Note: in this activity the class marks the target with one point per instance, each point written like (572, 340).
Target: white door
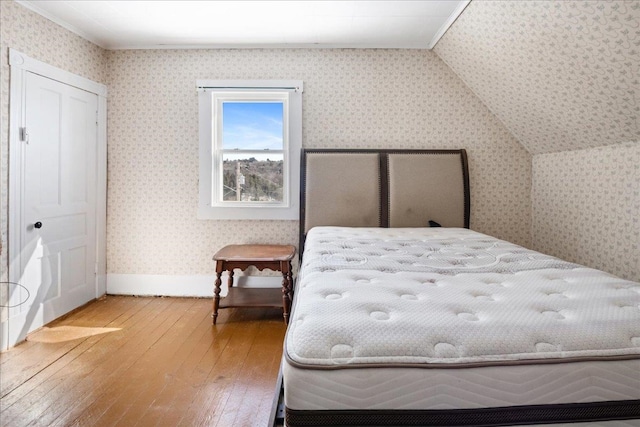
(58, 233)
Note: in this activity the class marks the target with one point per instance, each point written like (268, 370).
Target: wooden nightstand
(273, 257)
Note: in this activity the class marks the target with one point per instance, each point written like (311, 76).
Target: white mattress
(441, 318)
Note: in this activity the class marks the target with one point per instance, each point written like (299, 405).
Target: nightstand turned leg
(230, 279)
(290, 279)
(286, 289)
(216, 292)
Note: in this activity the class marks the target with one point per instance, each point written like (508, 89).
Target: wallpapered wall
(563, 76)
(352, 99)
(41, 39)
(586, 207)
(380, 98)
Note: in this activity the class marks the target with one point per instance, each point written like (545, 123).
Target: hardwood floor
(166, 365)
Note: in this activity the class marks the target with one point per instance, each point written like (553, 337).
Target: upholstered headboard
(383, 188)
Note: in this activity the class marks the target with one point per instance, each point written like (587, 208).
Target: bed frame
(383, 188)
(409, 188)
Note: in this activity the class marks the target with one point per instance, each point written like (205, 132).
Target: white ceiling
(236, 24)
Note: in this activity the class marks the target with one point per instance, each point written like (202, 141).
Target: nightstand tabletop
(255, 253)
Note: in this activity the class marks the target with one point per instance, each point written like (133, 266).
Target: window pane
(252, 178)
(252, 125)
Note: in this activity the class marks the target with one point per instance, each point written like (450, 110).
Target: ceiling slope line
(448, 23)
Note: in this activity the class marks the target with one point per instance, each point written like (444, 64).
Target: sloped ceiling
(561, 75)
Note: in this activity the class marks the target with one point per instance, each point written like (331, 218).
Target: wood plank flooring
(166, 365)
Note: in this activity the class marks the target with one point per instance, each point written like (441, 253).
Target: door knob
(37, 225)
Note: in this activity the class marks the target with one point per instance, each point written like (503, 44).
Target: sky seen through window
(252, 126)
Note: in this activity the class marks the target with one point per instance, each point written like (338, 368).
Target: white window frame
(211, 93)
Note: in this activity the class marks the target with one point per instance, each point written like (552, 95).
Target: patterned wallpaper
(586, 207)
(561, 75)
(43, 40)
(563, 78)
(352, 99)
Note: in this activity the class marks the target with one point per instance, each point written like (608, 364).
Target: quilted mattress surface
(442, 297)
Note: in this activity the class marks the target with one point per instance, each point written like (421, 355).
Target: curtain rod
(213, 84)
(295, 89)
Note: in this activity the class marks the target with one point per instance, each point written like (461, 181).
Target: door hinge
(24, 136)
(96, 269)
(97, 117)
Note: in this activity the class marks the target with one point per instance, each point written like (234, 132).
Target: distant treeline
(262, 180)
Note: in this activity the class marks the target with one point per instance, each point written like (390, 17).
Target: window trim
(209, 206)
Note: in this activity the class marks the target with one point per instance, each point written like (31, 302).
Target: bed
(404, 316)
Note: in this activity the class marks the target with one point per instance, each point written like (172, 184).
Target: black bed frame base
(482, 417)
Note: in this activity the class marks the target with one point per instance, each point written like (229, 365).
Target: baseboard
(180, 286)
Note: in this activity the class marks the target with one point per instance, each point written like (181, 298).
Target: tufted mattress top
(451, 297)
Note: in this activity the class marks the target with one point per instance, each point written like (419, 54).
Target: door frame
(20, 64)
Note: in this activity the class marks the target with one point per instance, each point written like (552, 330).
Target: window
(250, 140)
